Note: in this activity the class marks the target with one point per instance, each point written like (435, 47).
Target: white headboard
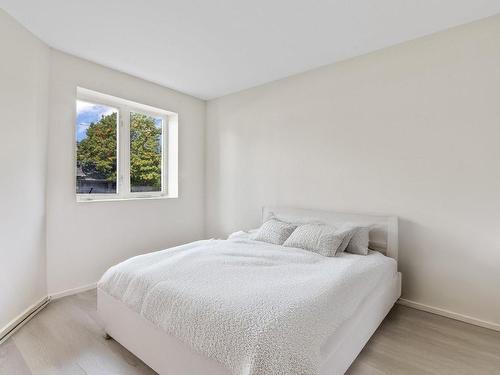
(383, 233)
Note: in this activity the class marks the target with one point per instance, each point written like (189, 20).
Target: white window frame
(169, 159)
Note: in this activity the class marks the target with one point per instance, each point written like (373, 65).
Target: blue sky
(86, 113)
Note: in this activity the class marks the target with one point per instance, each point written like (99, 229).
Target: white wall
(84, 239)
(24, 70)
(412, 130)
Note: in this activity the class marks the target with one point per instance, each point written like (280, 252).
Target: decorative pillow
(320, 238)
(351, 231)
(274, 231)
(359, 241)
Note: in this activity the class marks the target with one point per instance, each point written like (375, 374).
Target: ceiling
(209, 48)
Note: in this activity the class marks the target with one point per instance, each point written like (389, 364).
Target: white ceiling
(209, 48)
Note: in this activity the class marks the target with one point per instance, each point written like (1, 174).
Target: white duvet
(254, 307)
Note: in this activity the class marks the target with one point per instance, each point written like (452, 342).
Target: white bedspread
(256, 308)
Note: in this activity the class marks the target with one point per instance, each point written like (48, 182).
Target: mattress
(353, 334)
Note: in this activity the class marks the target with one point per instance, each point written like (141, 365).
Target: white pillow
(320, 238)
(351, 231)
(274, 231)
(243, 234)
(359, 241)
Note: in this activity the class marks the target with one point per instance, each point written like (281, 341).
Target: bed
(209, 324)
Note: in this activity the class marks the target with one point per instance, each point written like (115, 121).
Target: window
(124, 150)
(96, 148)
(145, 152)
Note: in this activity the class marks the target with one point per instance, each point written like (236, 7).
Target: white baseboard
(31, 311)
(449, 314)
(70, 292)
(401, 301)
(22, 319)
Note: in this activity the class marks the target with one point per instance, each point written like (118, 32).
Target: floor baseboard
(22, 319)
(31, 311)
(449, 314)
(70, 292)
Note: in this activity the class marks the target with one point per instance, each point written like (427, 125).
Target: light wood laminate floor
(66, 338)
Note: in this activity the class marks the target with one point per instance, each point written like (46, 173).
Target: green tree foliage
(96, 154)
(145, 151)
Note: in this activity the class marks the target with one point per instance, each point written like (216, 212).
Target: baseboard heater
(22, 319)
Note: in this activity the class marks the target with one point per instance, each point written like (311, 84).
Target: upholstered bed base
(167, 355)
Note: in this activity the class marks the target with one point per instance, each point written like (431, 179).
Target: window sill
(120, 199)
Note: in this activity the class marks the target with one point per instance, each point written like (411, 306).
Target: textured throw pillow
(319, 238)
(359, 241)
(351, 230)
(274, 231)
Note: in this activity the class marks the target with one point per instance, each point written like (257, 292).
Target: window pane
(96, 150)
(145, 152)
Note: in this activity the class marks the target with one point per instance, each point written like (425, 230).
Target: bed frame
(168, 355)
